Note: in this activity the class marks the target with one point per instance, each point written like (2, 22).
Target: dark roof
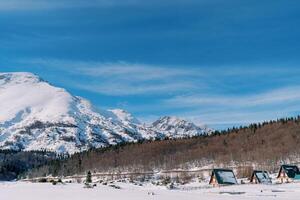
(224, 176)
(261, 176)
(290, 170)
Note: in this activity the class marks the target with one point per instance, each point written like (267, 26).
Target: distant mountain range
(35, 115)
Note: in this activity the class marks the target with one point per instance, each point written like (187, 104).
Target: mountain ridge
(36, 115)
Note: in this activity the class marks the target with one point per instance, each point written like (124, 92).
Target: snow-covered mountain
(35, 115)
(173, 126)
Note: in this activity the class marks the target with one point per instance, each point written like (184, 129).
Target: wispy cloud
(21, 5)
(185, 83)
(225, 110)
(120, 89)
(123, 78)
(226, 117)
(182, 83)
(138, 72)
(32, 5)
(277, 96)
(229, 119)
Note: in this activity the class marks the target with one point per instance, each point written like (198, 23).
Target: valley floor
(74, 191)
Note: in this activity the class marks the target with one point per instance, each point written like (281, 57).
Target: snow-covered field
(74, 191)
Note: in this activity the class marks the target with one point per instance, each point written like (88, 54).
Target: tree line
(15, 163)
(263, 144)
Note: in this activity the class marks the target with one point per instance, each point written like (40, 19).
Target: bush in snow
(171, 186)
(166, 180)
(115, 186)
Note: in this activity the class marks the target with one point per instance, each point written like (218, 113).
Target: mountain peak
(174, 126)
(125, 116)
(172, 119)
(18, 78)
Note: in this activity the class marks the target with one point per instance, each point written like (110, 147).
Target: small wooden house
(288, 173)
(222, 177)
(260, 177)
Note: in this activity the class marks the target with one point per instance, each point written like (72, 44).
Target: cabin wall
(283, 178)
(213, 181)
(254, 180)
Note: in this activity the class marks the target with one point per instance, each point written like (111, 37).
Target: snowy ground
(74, 191)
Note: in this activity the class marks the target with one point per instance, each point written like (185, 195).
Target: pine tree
(88, 177)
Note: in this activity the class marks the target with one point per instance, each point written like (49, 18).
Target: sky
(215, 62)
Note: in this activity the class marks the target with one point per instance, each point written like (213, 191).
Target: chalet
(288, 173)
(260, 177)
(222, 177)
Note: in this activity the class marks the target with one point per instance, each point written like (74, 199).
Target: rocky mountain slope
(173, 126)
(35, 115)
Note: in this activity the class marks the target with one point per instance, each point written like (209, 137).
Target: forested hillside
(265, 145)
(15, 163)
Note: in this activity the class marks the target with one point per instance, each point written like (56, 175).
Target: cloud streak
(19, 5)
(277, 96)
(138, 72)
(34, 5)
(122, 78)
(225, 110)
(115, 89)
(230, 118)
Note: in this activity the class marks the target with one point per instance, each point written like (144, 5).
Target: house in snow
(222, 177)
(260, 177)
(288, 173)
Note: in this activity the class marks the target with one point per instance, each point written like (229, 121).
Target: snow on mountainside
(35, 115)
(171, 126)
(125, 117)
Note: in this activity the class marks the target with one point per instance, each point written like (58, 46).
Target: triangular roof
(223, 176)
(292, 171)
(261, 176)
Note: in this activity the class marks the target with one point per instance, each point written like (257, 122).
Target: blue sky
(217, 62)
